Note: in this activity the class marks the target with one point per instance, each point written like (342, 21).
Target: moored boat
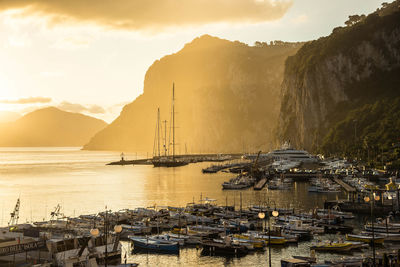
(155, 245)
(332, 246)
(211, 247)
(365, 238)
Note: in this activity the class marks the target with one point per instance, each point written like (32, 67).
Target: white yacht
(288, 153)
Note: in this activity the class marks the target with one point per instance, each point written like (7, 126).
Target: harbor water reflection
(82, 183)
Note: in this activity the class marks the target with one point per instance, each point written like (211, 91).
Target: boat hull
(365, 239)
(169, 164)
(139, 245)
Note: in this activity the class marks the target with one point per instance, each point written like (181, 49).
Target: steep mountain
(227, 99)
(50, 127)
(333, 86)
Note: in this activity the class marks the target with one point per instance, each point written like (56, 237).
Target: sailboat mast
(173, 120)
(165, 138)
(158, 131)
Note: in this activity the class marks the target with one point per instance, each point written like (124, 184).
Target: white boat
(289, 153)
(188, 239)
(168, 237)
(78, 249)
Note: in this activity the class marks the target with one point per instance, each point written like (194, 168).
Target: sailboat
(167, 161)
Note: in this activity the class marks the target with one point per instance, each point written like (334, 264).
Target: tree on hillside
(353, 19)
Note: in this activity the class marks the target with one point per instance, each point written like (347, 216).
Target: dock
(193, 158)
(132, 162)
(346, 187)
(260, 185)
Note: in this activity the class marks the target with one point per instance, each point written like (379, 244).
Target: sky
(91, 56)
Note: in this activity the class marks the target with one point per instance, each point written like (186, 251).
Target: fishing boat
(332, 246)
(223, 247)
(188, 239)
(294, 263)
(78, 248)
(275, 240)
(249, 243)
(167, 237)
(365, 238)
(242, 181)
(154, 245)
(387, 236)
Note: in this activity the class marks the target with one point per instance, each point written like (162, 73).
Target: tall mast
(173, 120)
(165, 137)
(158, 131)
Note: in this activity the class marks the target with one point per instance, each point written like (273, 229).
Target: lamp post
(275, 213)
(372, 200)
(94, 232)
(106, 235)
(118, 230)
(261, 215)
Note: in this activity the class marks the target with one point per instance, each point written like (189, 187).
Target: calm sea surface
(82, 184)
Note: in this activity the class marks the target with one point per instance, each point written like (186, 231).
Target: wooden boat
(388, 236)
(275, 240)
(334, 228)
(332, 246)
(188, 239)
(294, 263)
(150, 244)
(210, 247)
(365, 238)
(167, 237)
(257, 244)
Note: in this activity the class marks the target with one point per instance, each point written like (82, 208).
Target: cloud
(147, 14)
(78, 108)
(29, 100)
(51, 74)
(300, 19)
(73, 42)
(19, 41)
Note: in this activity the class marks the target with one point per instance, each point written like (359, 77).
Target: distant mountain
(227, 99)
(341, 93)
(50, 127)
(7, 116)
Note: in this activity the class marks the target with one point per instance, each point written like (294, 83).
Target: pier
(346, 187)
(260, 185)
(194, 158)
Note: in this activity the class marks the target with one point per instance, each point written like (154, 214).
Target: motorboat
(154, 245)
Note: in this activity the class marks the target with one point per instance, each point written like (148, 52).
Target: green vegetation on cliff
(346, 84)
(371, 133)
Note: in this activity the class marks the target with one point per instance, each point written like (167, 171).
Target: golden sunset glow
(77, 52)
(199, 133)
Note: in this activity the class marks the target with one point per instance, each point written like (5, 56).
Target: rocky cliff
(227, 99)
(329, 78)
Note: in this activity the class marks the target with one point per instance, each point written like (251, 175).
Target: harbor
(199, 222)
(200, 133)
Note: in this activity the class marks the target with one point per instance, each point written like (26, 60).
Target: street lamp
(94, 232)
(374, 197)
(275, 213)
(261, 215)
(118, 229)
